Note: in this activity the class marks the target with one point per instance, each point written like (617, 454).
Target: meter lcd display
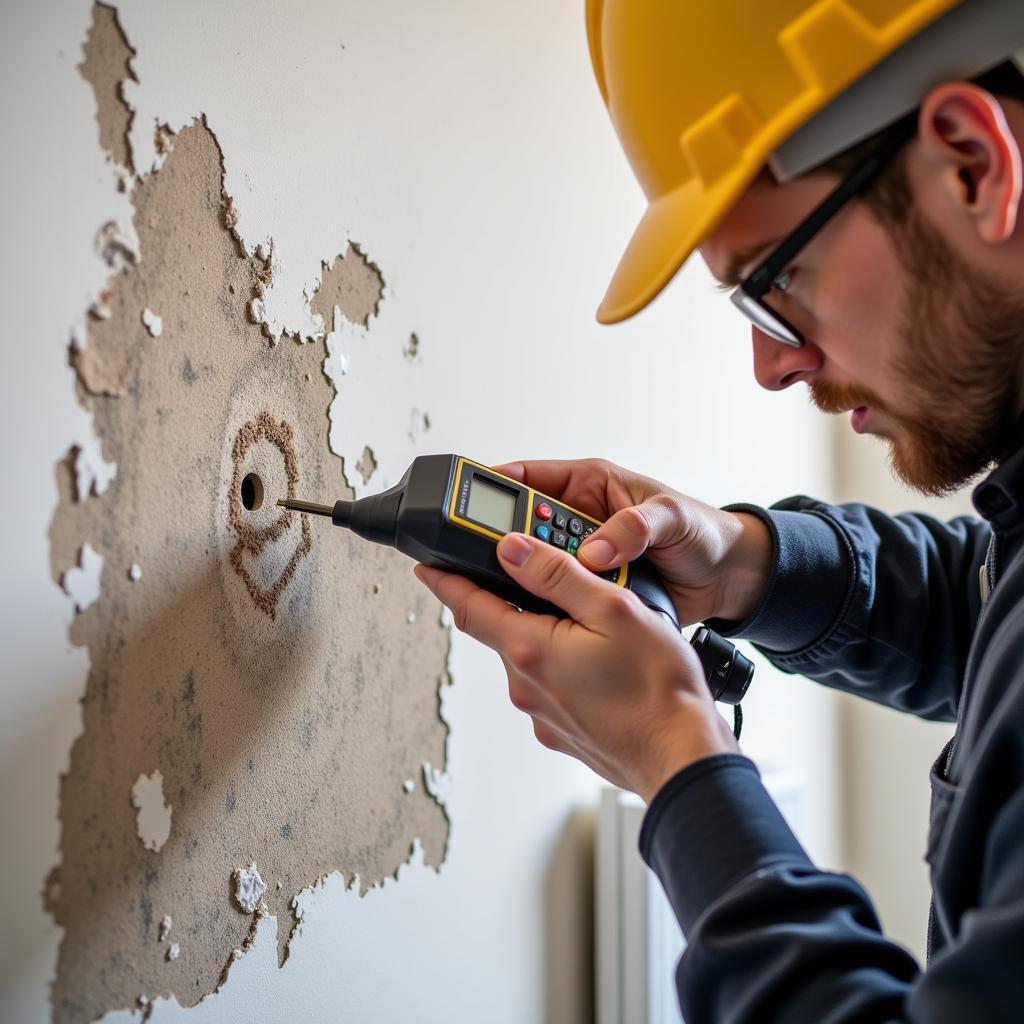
(491, 505)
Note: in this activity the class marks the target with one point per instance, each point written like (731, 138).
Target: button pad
(565, 529)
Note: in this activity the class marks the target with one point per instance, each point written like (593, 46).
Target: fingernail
(598, 552)
(514, 548)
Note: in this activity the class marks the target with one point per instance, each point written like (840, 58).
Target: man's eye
(783, 281)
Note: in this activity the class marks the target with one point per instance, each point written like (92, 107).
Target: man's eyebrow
(739, 261)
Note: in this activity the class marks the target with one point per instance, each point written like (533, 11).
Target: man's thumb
(551, 574)
(627, 535)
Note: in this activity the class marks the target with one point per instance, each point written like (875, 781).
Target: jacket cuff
(711, 826)
(810, 585)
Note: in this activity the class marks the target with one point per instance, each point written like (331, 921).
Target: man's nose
(777, 365)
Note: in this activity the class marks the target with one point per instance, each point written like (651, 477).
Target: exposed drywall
(283, 708)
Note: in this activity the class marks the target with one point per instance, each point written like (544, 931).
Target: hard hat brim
(672, 227)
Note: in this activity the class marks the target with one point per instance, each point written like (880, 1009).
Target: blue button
(542, 531)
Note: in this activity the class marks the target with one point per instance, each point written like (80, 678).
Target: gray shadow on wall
(569, 923)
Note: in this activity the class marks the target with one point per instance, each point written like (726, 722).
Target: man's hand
(714, 563)
(614, 685)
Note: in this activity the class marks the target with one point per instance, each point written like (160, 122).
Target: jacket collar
(999, 498)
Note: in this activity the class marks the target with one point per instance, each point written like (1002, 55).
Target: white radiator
(638, 941)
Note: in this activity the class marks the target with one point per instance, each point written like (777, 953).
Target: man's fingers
(631, 531)
(557, 577)
(476, 611)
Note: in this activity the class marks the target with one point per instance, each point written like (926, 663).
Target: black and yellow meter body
(450, 512)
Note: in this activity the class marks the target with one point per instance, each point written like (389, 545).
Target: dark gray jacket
(923, 616)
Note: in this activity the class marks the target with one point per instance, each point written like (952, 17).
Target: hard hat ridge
(704, 96)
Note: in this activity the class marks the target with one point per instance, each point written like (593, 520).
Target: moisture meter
(450, 512)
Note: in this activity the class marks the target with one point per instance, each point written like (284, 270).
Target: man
(888, 276)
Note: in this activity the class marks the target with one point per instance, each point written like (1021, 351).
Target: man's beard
(962, 343)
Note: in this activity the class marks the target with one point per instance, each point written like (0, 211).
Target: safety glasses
(749, 295)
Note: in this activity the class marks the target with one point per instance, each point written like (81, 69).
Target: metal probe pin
(306, 506)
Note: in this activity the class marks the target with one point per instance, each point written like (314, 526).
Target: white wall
(464, 146)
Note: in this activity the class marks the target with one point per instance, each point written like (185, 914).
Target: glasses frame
(748, 295)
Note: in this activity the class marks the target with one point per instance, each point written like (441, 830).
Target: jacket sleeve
(772, 940)
(881, 606)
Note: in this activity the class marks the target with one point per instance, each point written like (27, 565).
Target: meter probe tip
(306, 506)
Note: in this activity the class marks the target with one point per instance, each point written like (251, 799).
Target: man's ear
(965, 138)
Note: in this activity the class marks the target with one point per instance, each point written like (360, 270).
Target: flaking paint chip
(135, 572)
(153, 323)
(367, 464)
(249, 888)
(174, 951)
(409, 785)
(82, 583)
(153, 816)
(165, 927)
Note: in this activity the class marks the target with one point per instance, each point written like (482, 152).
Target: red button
(543, 510)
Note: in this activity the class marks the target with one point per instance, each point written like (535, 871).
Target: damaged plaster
(283, 709)
(153, 816)
(82, 581)
(366, 464)
(249, 888)
(153, 323)
(106, 66)
(353, 284)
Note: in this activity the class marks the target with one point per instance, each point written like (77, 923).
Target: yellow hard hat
(702, 92)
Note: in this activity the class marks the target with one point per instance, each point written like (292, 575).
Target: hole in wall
(252, 492)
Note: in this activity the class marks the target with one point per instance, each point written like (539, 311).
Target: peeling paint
(171, 666)
(82, 583)
(366, 464)
(152, 323)
(106, 66)
(409, 785)
(153, 817)
(174, 951)
(249, 888)
(353, 284)
(117, 248)
(437, 782)
(251, 975)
